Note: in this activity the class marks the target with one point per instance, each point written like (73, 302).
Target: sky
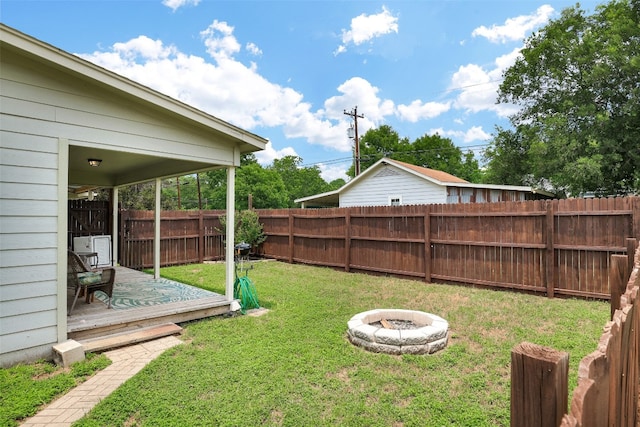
(289, 70)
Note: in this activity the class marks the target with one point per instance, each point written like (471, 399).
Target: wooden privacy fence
(555, 247)
(186, 237)
(607, 392)
(87, 218)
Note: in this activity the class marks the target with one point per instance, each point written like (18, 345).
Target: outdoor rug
(152, 292)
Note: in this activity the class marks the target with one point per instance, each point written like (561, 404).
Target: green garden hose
(245, 291)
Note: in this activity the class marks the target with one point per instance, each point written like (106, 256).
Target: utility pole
(354, 113)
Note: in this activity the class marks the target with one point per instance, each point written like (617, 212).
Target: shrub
(248, 228)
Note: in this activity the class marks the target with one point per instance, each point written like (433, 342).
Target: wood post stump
(539, 380)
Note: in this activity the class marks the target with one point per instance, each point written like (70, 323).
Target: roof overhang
(125, 166)
(502, 188)
(329, 199)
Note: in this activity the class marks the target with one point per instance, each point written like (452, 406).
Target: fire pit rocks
(395, 331)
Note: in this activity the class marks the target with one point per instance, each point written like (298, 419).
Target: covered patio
(140, 301)
(68, 128)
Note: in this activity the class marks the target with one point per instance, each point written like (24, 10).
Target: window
(395, 200)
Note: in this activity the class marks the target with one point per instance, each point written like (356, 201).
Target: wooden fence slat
(427, 245)
(618, 276)
(539, 377)
(549, 265)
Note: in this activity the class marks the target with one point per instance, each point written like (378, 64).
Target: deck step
(131, 337)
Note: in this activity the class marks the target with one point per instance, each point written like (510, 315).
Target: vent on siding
(387, 172)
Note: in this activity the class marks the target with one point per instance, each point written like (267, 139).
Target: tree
(273, 187)
(265, 186)
(336, 184)
(508, 158)
(578, 90)
(436, 152)
(431, 151)
(376, 144)
(299, 181)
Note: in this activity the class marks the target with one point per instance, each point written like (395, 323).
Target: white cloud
(269, 154)
(220, 41)
(175, 4)
(359, 92)
(418, 110)
(253, 49)
(473, 134)
(365, 28)
(515, 28)
(332, 172)
(478, 87)
(229, 89)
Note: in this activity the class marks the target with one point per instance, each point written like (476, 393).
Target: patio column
(231, 213)
(115, 227)
(156, 234)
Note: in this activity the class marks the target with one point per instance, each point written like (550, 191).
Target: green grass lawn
(24, 388)
(295, 367)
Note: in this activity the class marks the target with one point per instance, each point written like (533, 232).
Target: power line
(348, 159)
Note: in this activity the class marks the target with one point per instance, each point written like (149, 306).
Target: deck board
(95, 319)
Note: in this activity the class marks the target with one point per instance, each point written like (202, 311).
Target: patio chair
(81, 277)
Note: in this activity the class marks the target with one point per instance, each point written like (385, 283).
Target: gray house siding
(56, 111)
(28, 240)
(390, 182)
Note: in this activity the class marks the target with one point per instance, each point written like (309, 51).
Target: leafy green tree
(265, 186)
(431, 151)
(299, 181)
(142, 196)
(276, 186)
(578, 90)
(508, 158)
(436, 152)
(335, 184)
(376, 144)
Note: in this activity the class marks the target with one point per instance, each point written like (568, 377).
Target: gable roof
(40, 51)
(130, 165)
(432, 175)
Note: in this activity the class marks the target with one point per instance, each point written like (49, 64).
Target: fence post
(549, 251)
(427, 245)
(618, 277)
(123, 241)
(631, 251)
(200, 237)
(347, 240)
(539, 388)
(291, 239)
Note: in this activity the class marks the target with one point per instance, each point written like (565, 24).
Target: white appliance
(98, 244)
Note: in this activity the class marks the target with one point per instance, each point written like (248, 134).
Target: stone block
(235, 305)
(412, 337)
(365, 332)
(68, 352)
(438, 345)
(414, 349)
(387, 336)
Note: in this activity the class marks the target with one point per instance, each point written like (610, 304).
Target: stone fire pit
(395, 331)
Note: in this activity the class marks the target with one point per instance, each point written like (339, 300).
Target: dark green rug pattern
(152, 292)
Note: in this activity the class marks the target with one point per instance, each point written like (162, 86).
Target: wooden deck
(96, 320)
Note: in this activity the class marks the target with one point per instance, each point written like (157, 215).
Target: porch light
(94, 162)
